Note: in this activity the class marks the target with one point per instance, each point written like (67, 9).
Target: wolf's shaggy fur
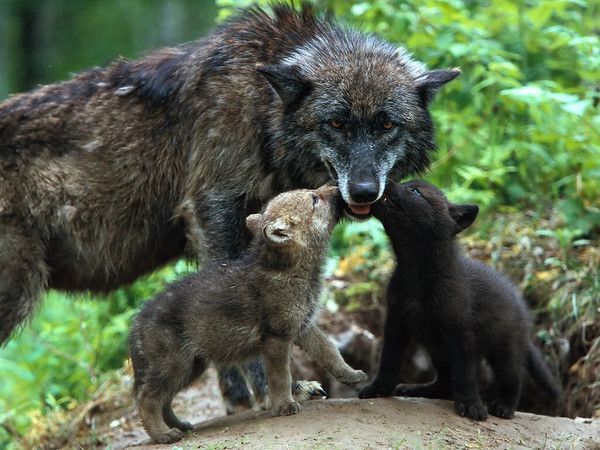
(110, 175)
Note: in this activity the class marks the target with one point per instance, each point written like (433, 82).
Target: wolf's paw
(173, 435)
(500, 409)
(303, 390)
(472, 410)
(352, 377)
(286, 409)
(376, 390)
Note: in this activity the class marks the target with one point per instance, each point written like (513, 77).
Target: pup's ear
(278, 233)
(287, 82)
(463, 215)
(253, 223)
(430, 83)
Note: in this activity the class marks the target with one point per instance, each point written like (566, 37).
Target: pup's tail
(540, 373)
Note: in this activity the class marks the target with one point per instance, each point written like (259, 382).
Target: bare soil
(354, 423)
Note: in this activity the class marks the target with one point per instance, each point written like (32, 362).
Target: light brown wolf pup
(232, 311)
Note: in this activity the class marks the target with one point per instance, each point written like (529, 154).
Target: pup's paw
(352, 377)
(303, 390)
(286, 409)
(472, 410)
(376, 390)
(173, 435)
(184, 426)
(500, 409)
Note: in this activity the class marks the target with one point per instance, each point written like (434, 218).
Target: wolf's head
(360, 105)
(418, 209)
(298, 221)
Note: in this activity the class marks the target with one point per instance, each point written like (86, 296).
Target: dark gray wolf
(458, 308)
(233, 310)
(116, 172)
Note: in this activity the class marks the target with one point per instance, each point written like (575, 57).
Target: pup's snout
(327, 191)
(363, 191)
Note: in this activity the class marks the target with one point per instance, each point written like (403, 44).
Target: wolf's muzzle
(363, 191)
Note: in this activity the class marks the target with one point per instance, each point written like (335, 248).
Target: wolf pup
(235, 310)
(459, 309)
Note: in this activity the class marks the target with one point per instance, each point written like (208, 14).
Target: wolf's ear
(429, 84)
(463, 215)
(278, 233)
(253, 222)
(287, 82)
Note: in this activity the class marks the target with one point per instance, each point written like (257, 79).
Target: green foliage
(520, 126)
(70, 348)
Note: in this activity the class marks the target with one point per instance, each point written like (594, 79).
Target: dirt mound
(387, 423)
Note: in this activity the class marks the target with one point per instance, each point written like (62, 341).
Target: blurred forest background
(518, 134)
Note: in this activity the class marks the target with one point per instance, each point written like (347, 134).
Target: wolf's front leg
(276, 354)
(319, 347)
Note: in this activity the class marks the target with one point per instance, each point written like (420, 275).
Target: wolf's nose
(364, 192)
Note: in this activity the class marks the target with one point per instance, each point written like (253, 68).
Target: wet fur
(458, 308)
(231, 311)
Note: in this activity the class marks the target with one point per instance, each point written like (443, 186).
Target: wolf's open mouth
(358, 212)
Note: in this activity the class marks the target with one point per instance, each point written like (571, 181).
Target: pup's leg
(23, 276)
(508, 372)
(324, 352)
(164, 376)
(441, 387)
(199, 366)
(276, 353)
(464, 379)
(395, 341)
(153, 397)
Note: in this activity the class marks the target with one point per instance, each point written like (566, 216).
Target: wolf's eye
(416, 191)
(337, 124)
(315, 200)
(387, 125)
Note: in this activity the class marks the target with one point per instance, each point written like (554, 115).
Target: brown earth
(353, 423)
(387, 423)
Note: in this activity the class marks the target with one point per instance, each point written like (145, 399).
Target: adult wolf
(121, 169)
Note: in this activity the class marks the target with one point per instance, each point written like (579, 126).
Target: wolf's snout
(364, 192)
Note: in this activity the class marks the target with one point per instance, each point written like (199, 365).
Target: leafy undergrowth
(559, 276)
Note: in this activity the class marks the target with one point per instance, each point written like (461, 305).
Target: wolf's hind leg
(234, 389)
(255, 373)
(23, 276)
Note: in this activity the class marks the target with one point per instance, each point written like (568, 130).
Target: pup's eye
(416, 191)
(387, 125)
(337, 124)
(315, 200)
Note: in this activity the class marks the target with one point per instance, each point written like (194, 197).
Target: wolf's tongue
(360, 209)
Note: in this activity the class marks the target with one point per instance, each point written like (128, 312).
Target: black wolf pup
(459, 309)
(232, 311)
